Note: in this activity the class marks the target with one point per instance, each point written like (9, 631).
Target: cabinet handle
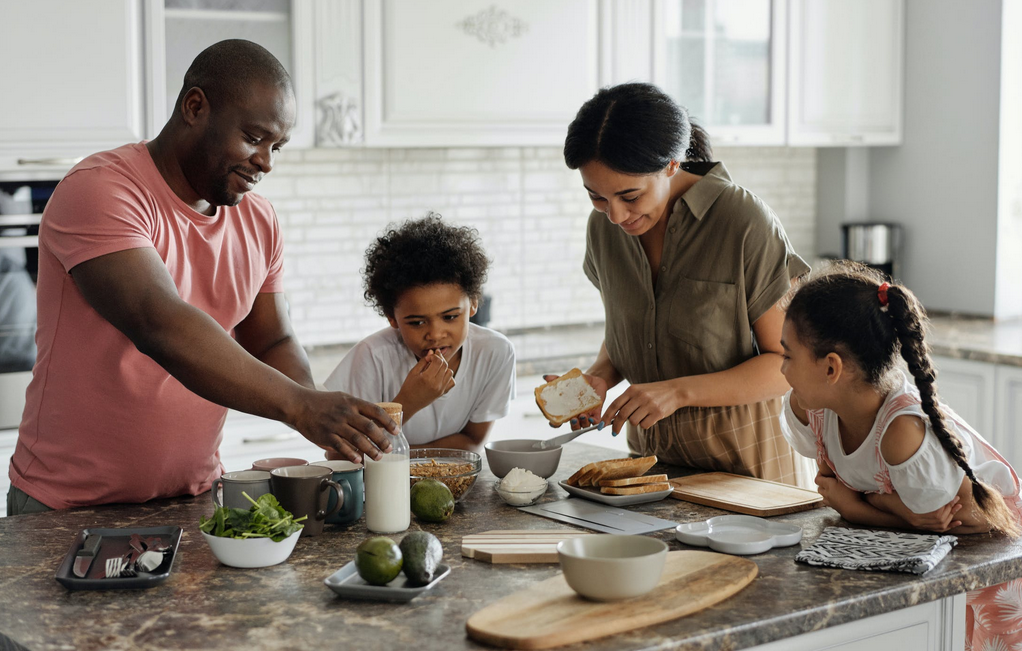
(49, 161)
(273, 438)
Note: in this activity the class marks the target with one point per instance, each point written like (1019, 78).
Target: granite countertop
(204, 604)
(981, 340)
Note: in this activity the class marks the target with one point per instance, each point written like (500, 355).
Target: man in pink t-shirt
(160, 305)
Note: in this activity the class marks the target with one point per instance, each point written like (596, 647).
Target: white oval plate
(738, 534)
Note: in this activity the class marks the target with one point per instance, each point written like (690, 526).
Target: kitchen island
(204, 604)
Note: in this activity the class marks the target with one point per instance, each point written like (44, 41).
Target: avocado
(431, 500)
(422, 553)
(378, 560)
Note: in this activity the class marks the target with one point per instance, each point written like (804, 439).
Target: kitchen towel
(865, 549)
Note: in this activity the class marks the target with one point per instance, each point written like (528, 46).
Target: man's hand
(344, 426)
(642, 405)
(430, 378)
(593, 415)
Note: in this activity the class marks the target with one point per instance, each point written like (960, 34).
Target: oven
(21, 206)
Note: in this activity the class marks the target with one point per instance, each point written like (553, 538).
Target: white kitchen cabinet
(934, 626)
(177, 30)
(846, 68)
(968, 388)
(724, 60)
(461, 72)
(74, 81)
(1008, 414)
(989, 397)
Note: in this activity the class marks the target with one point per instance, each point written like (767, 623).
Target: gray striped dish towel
(881, 551)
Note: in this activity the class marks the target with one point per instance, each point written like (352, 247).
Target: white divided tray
(738, 534)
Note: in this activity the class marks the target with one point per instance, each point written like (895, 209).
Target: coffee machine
(875, 244)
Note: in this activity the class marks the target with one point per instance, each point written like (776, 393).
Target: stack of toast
(620, 476)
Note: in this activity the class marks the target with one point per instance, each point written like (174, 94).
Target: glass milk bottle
(387, 482)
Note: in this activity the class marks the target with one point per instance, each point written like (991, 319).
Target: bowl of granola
(458, 469)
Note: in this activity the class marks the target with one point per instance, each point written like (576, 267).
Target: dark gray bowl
(502, 456)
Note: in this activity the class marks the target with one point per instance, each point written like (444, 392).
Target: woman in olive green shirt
(690, 268)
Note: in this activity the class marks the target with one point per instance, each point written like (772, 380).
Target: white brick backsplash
(530, 210)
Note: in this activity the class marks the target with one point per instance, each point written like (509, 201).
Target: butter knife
(564, 438)
(87, 554)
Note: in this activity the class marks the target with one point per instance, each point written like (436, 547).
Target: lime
(378, 560)
(432, 501)
(422, 553)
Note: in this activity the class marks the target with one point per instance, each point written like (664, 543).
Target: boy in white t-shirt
(453, 378)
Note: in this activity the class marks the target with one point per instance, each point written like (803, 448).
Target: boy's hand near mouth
(429, 379)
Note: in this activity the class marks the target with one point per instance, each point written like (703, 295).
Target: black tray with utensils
(117, 543)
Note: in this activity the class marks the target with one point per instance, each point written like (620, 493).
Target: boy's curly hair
(423, 252)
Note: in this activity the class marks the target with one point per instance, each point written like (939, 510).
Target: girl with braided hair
(890, 453)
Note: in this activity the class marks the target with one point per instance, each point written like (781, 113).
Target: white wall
(1009, 223)
(530, 210)
(942, 182)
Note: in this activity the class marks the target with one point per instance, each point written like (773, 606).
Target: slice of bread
(568, 396)
(635, 490)
(633, 481)
(574, 479)
(619, 469)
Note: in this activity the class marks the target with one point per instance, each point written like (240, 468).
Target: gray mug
(348, 476)
(233, 484)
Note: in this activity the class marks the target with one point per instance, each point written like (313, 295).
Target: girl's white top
(377, 366)
(928, 479)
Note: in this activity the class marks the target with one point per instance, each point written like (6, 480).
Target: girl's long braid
(906, 317)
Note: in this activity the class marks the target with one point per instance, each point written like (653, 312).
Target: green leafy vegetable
(264, 519)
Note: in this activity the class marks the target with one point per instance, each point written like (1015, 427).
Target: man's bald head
(226, 70)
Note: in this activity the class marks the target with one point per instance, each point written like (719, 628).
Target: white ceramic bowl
(609, 567)
(520, 497)
(253, 552)
(502, 456)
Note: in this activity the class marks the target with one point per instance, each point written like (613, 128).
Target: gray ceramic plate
(347, 583)
(614, 500)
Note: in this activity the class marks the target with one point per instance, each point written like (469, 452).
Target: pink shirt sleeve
(95, 212)
(274, 282)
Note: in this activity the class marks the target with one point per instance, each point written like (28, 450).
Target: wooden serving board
(550, 614)
(746, 495)
(516, 546)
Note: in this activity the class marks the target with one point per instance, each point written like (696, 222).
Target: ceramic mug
(273, 463)
(233, 484)
(304, 490)
(349, 476)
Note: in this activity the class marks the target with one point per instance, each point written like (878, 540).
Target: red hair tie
(882, 294)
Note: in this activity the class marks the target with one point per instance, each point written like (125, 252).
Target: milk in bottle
(387, 486)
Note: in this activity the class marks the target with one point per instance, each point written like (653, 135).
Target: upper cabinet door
(180, 29)
(847, 63)
(724, 60)
(475, 72)
(74, 80)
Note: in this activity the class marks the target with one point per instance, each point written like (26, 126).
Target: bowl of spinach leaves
(264, 534)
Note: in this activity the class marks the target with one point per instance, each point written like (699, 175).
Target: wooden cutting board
(550, 614)
(516, 546)
(746, 495)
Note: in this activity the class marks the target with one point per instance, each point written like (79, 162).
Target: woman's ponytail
(699, 149)
(906, 315)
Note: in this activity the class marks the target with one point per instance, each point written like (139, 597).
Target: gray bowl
(502, 456)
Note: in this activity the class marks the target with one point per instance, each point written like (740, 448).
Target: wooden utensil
(550, 614)
(746, 495)
(516, 546)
